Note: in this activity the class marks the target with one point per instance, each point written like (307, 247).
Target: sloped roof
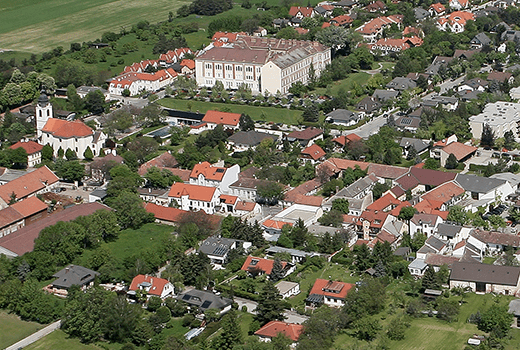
(494, 274)
(273, 328)
(224, 118)
(30, 147)
(346, 139)
(325, 288)
(264, 265)
(204, 299)
(459, 150)
(305, 11)
(386, 171)
(67, 129)
(491, 237)
(314, 151)
(478, 184)
(448, 230)
(164, 213)
(217, 246)
(444, 192)
(251, 137)
(28, 184)
(306, 134)
(165, 160)
(210, 172)
(157, 284)
(29, 206)
(276, 224)
(188, 63)
(245, 206)
(9, 216)
(194, 192)
(73, 275)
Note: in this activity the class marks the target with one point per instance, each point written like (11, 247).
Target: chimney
(67, 269)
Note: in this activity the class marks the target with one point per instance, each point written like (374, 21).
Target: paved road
(369, 128)
(35, 336)
(449, 84)
(291, 316)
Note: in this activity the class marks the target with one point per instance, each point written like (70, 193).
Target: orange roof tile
(342, 20)
(224, 118)
(384, 202)
(29, 206)
(438, 7)
(245, 206)
(276, 224)
(210, 172)
(314, 151)
(443, 193)
(324, 287)
(164, 213)
(459, 150)
(305, 11)
(28, 184)
(66, 129)
(227, 199)
(273, 328)
(264, 265)
(157, 284)
(188, 63)
(194, 192)
(30, 147)
(9, 216)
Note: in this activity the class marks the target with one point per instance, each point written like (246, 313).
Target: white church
(64, 134)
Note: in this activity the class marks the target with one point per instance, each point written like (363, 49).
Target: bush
(187, 320)
(154, 303)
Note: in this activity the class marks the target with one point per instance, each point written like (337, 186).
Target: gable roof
(165, 160)
(497, 238)
(439, 260)
(224, 118)
(29, 206)
(331, 289)
(164, 213)
(73, 275)
(204, 299)
(305, 11)
(422, 218)
(265, 265)
(314, 151)
(30, 147)
(478, 184)
(386, 171)
(275, 224)
(448, 230)
(28, 184)
(208, 171)
(9, 216)
(499, 76)
(493, 274)
(418, 144)
(444, 192)
(67, 129)
(384, 202)
(273, 328)
(346, 139)
(156, 284)
(22, 241)
(481, 38)
(245, 206)
(251, 137)
(217, 246)
(194, 192)
(306, 134)
(424, 177)
(459, 150)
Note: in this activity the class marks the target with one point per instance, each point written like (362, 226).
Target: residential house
(342, 20)
(36, 182)
(304, 194)
(432, 245)
(417, 268)
(174, 56)
(33, 150)
(72, 275)
(510, 35)
(245, 188)
(369, 106)
(203, 300)
(445, 195)
(407, 123)
(328, 292)
(346, 140)
(438, 260)
(324, 10)
(301, 12)
(442, 149)
(288, 289)
(483, 190)
(385, 95)
(425, 223)
(465, 54)
(475, 84)
(485, 278)
(247, 209)
(509, 177)
(373, 29)
(447, 103)
(188, 66)
(480, 40)
(273, 229)
(244, 140)
(419, 145)
(297, 256)
(217, 248)
(459, 4)
(273, 328)
(136, 82)
(452, 233)
(21, 214)
(313, 154)
(501, 77)
(83, 91)
(151, 286)
(437, 9)
(164, 215)
(343, 117)
(401, 84)
(226, 119)
(455, 21)
(194, 197)
(259, 266)
(464, 249)
(437, 63)
(420, 14)
(205, 174)
(418, 180)
(491, 242)
(306, 137)
(376, 6)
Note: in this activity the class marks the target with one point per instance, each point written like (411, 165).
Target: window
(229, 67)
(208, 66)
(238, 68)
(218, 66)
(249, 69)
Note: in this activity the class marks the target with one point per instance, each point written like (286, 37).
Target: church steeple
(43, 112)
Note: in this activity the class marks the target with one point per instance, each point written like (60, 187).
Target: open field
(58, 340)
(361, 78)
(271, 114)
(37, 25)
(13, 329)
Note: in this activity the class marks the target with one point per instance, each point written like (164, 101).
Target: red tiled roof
(376, 219)
(305, 135)
(165, 160)
(499, 76)
(29, 206)
(264, 265)
(497, 238)
(346, 139)
(225, 36)
(335, 165)
(342, 20)
(374, 25)
(439, 259)
(386, 171)
(273, 328)
(444, 192)
(321, 284)
(30, 147)
(384, 202)
(305, 11)
(157, 284)
(225, 118)
(194, 192)
(210, 172)
(314, 151)
(9, 216)
(298, 194)
(459, 150)
(172, 55)
(301, 31)
(164, 213)
(65, 129)
(438, 7)
(188, 63)
(275, 224)
(22, 241)
(28, 184)
(228, 199)
(245, 206)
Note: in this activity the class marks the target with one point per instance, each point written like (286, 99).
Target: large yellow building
(263, 64)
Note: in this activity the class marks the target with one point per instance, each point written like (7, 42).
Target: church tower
(43, 113)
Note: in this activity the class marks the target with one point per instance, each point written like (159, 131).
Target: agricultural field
(38, 25)
(270, 114)
(14, 329)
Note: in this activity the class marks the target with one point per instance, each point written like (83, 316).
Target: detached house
(203, 300)
(194, 197)
(306, 137)
(480, 40)
(72, 275)
(301, 12)
(373, 29)
(313, 154)
(226, 119)
(437, 9)
(328, 292)
(273, 328)
(444, 196)
(217, 248)
(33, 149)
(483, 190)
(484, 278)
(459, 4)
(204, 174)
(259, 266)
(151, 286)
(455, 21)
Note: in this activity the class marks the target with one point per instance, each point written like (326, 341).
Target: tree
(448, 309)
(246, 123)
(514, 213)
(488, 136)
(496, 221)
(451, 162)
(430, 280)
(70, 171)
(396, 329)
(406, 213)
(161, 178)
(73, 98)
(231, 332)
(143, 147)
(431, 163)
(47, 152)
(129, 210)
(70, 154)
(311, 114)
(95, 101)
(88, 155)
(320, 330)
(151, 115)
(332, 218)
(154, 303)
(120, 318)
(270, 305)
(270, 191)
(367, 328)
(496, 319)
(341, 205)
(277, 272)
(509, 140)
(458, 215)
(379, 189)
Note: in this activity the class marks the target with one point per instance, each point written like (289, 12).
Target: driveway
(290, 316)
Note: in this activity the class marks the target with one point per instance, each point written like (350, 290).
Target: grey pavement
(35, 336)
(449, 84)
(369, 128)
(290, 316)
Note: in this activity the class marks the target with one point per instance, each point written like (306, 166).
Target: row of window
(228, 67)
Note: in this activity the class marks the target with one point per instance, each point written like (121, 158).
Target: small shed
(432, 294)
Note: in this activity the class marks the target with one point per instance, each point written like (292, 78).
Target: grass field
(272, 114)
(58, 340)
(40, 25)
(12, 329)
(361, 78)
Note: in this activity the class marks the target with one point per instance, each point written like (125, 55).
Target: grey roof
(320, 10)
(514, 307)
(510, 35)
(438, 61)
(100, 193)
(280, 21)
(408, 122)
(384, 95)
(401, 83)
(435, 100)
(448, 230)
(513, 179)
(357, 186)
(293, 252)
(478, 184)
(435, 243)
(475, 83)
(216, 246)
(251, 137)
(285, 286)
(87, 89)
(418, 144)
(417, 264)
(73, 275)
(346, 3)
(426, 249)
(504, 24)
(494, 274)
(342, 115)
(420, 13)
(481, 39)
(468, 95)
(368, 104)
(12, 174)
(403, 251)
(204, 300)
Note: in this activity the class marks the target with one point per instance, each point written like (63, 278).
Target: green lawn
(149, 237)
(271, 114)
(175, 328)
(38, 25)
(13, 329)
(58, 340)
(361, 78)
